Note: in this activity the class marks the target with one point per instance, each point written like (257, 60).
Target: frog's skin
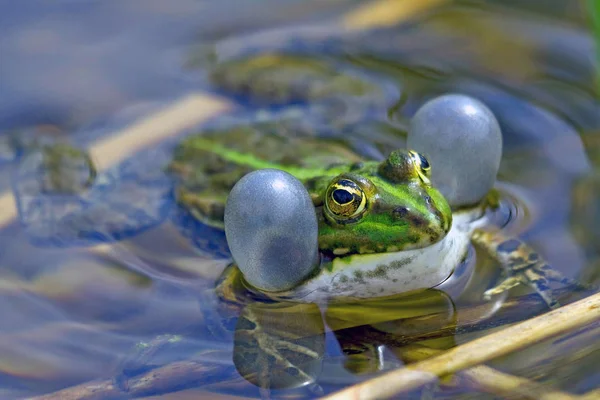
(407, 239)
(370, 244)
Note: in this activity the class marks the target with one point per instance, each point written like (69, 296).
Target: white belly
(375, 275)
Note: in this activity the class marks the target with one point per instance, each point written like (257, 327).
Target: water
(86, 276)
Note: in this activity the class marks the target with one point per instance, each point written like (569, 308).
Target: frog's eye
(345, 200)
(423, 166)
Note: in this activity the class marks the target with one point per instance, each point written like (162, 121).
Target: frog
(394, 197)
(415, 240)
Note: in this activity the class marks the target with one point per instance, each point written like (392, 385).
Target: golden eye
(423, 166)
(345, 200)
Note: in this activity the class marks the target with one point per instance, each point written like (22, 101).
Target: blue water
(71, 312)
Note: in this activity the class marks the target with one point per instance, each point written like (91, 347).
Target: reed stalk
(516, 337)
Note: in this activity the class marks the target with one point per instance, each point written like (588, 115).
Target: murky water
(88, 274)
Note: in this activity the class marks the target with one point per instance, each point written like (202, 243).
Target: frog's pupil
(342, 196)
(424, 162)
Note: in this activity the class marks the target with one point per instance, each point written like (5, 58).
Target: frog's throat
(383, 274)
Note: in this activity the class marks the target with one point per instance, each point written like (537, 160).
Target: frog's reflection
(279, 345)
(282, 345)
(385, 323)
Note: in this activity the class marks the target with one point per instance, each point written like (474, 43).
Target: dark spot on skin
(379, 208)
(400, 212)
(379, 272)
(359, 277)
(400, 264)
(292, 371)
(533, 257)
(357, 165)
(335, 165)
(394, 280)
(343, 279)
(509, 246)
(311, 184)
(413, 239)
(381, 290)
(217, 211)
(413, 278)
(430, 231)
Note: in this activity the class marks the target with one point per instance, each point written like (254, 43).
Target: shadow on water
(107, 282)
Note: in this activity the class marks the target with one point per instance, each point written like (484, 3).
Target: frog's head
(383, 207)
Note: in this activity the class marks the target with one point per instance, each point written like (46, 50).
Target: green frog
(383, 228)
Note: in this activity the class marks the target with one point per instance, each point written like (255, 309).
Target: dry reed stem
(416, 329)
(492, 381)
(184, 114)
(505, 341)
(386, 12)
(593, 395)
(171, 377)
(498, 383)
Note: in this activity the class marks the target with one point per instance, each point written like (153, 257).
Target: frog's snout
(438, 219)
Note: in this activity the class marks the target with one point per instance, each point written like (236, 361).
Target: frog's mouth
(339, 249)
(345, 252)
